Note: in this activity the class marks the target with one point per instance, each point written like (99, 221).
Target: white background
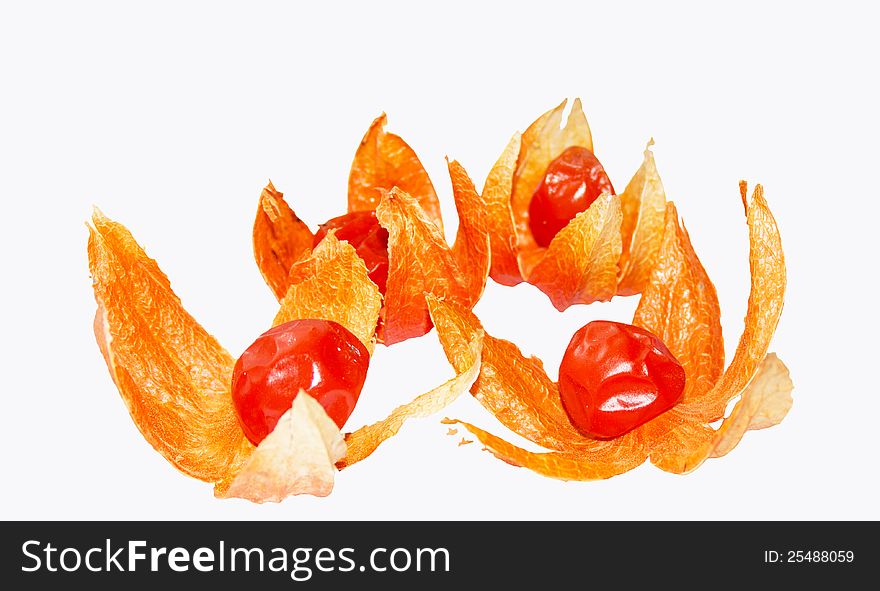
(172, 118)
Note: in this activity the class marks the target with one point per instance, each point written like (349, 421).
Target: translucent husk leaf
(172, 375)
(513, 387)
(680, 305)
(471, 247)
(383, 161)
(367, 439)
(296, 458)
(496, 202)
(766, 297)
(764, 403)
(643, 204)
(333, 284)
(597, 463)
(580, 265)
(419, 262)
(542, 142)
(280, 239)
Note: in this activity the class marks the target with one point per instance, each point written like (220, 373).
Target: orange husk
(172, 375)
(680, 305)
(542, 142)
(643, 205)
(598, 463)
(496, 203)
(766, 297)
(471, 247)
(511, 386)
(364, 441)
(175, 378)
(383, 161)
(333, 284)
(280, 239)
(680, 439)
(296, 458)
(580, 264)
(419, 262)
(764, 402)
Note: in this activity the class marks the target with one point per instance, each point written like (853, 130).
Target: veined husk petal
(766, 297)
(764, 403)
(580, 265)
(680, 305)
(419, 262)
(172, 374)
(496, 202)
(332, 283)
(384, 161)
(280, 239)
(643, 205)
(296, 458)
(471, 247)
(364, 441)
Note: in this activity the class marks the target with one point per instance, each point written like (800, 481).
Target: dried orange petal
(542, 142)
(419, 262)
(296, 458)
(514, 388)
(471, 247)
(764, 403)
(496, 202)
(768, 279)
(643, 204)
(383, 161)
(332, 284)
(580, 265)
(173, 376)
(680, 305)
(280, 239)
(604, 460)
(364, 441)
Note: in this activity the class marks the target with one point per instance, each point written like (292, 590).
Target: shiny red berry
(572, 182)
(318, 356)
(615, 377)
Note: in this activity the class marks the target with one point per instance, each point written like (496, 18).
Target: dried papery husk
(296, 458)
(384, 161)
(171, 373)
(580, 264)
(419, 262)
(364, 441)
(471, 247)
(542, 142)
(643, 206)
(280, 239)
(332, 283)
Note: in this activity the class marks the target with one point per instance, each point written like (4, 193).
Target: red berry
(572, 182)
(615, 377)
(319, 356)
(361, 229)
